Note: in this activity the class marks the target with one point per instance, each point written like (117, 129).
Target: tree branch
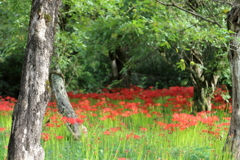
(172, 4)
(223, 2)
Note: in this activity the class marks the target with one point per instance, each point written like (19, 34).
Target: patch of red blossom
(183, 121)
(59, 137)
(45, 136)
(7, 104)
(123, 159)
(2, 129)
(72, 120)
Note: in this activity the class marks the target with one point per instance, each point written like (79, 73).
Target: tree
(201, 44)
(34, 95)
(117, 30)
(233, 141)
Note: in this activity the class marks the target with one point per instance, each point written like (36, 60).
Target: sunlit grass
(133, 124)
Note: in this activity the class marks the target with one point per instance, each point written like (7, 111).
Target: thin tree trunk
(63, 103)
(115, 72)
(29, 111)
(122, 58)
(233, 138)
(118, 60)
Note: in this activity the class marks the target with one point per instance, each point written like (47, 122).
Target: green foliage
(158, 72)
(84, 75)
(90, 29)
(14, 17)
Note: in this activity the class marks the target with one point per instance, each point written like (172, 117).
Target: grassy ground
(133, 124)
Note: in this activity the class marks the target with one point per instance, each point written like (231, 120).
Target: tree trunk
(233, 138)
(118, 61)
(63, 103)
(202, 101)
(34, 95)
(204, 83)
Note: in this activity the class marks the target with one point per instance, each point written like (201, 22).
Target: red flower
(59, 137)
(50, 125)
(143, 129)
(106, 132)
(136, 137)
(115, 129)
(72, 120)
(2, 129)
(45, 136)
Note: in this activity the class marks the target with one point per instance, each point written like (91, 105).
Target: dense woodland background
(148, 39)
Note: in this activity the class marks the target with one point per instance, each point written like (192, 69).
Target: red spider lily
(148, 115)
(72, 120)
(211, 132)
(143, 129)
(123, 159)
(107, 132)
(45, 136)
(209, 120)
(115, 129)
(6, 106)
(52, 104)
(122, 103)
(144, 111)
(185, 120)
(94, 115)
(59, 137)
(126, 114)
(131, 135)
(223, 124)
(50, 125)
(227, 118)
(2, 129)
(136, 137)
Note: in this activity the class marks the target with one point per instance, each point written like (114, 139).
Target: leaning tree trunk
(233, 138)
(63, 103)
(204, 84)
(29, 111)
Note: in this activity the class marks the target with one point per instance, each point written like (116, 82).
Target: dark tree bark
(118, 59)
(34, 94)
(233, 24)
